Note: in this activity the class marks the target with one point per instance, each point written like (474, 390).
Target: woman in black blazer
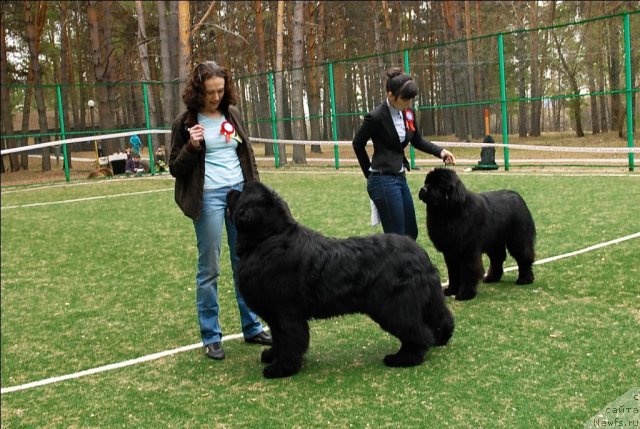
(392, 126)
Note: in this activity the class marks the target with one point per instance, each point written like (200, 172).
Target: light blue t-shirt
(221, 163)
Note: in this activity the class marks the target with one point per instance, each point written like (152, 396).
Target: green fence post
(503, 102)
(334, 121)
(145, 94)
(412, 150)
(629, 96)
(274, 125)
(63, 133)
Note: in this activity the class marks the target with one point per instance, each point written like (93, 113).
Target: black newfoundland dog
(289, 274)
(463, 225)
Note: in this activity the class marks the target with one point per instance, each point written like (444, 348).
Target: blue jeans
(209, 237)
(392, 198)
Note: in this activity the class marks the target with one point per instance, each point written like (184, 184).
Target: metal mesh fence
(546, 86)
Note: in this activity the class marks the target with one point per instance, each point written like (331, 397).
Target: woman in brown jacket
(210, 155)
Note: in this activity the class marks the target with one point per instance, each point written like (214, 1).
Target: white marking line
(585, 250)
(101, 197)
(99, 182)
(109, 367)
(159, 355)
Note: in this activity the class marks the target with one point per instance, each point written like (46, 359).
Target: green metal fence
(453, 91)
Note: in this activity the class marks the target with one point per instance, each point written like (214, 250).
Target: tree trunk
(79, 46)
(33, 32)
(184, 42)
(522, 85)
(378, 46)
(451, 15)
(5, 102)
(392, 44)
(279, 77)
(340, 73)
(595, 113)
(475, 112)
(265, 102)
(575, 102)
(146, 71)
(313, 88)
(174, 42)
(536, 87)
(604, 123)
(108, 117)
(614, 73)
(323, 82)
(66, 77)
(99, 68)
(167, 71)
(297, 82)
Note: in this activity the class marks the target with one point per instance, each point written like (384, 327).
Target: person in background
(161, 163)
(134, 165)
(135, 143)
(391, 126)
(210, 155)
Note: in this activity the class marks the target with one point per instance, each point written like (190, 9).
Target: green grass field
(105, 273)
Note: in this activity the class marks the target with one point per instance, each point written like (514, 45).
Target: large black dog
(463, 225)
(289, 274)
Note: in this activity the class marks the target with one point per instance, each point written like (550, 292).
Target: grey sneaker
(262, 338)
(214, 351)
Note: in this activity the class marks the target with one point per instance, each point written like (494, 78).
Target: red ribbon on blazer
(409, 119)
(227, 130)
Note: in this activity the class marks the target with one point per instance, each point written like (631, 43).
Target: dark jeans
(392, 198)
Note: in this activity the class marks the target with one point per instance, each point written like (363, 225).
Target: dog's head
(258, 208)
(442, 189)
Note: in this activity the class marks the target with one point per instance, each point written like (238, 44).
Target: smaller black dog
(463, 225)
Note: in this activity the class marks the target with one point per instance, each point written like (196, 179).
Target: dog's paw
(402, 360)
(276, 370)
(449, 291)
(525, 280)
(465, 295)
(492, 276)
(268, 355)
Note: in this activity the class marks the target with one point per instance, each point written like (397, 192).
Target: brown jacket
(187, 164)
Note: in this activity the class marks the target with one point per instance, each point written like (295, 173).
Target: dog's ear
(456, 193)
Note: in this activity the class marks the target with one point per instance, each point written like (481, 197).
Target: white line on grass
(94, 182)
(585, 250)
(109, 367)
(159, 355)
(101, 197)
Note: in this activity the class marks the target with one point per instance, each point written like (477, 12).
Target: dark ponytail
(401, 84)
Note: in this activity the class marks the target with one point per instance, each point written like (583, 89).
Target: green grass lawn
(104, 280)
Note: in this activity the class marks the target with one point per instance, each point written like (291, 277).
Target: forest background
(104, 50)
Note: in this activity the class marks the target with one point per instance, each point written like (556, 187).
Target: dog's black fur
(289, 274)
(463, 225)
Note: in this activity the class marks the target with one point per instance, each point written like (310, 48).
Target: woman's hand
(447, 157)
(196, 136)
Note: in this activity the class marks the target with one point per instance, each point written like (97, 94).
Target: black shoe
(262, 338)
(214, 351)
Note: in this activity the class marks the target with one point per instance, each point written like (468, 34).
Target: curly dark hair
(194, 91)
(401, 84)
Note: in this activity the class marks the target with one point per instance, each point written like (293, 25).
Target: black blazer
(388, 151)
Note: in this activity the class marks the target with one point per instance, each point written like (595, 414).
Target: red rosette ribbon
(227, 130)
(409, 119)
